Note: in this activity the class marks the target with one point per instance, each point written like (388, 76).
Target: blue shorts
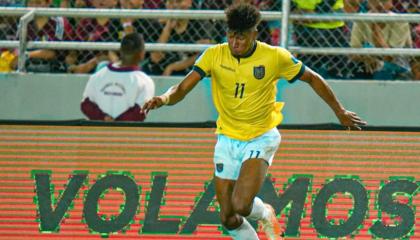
(229, 154)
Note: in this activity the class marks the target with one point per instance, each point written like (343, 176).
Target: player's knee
(229, 221)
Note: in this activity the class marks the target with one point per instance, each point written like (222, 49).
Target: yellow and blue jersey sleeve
(203, 64)
(289, 67)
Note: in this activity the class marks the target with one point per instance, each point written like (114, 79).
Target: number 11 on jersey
(239, 91)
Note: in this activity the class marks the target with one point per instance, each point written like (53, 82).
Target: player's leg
(226, 172)
(237, 226)
(250, 180)
(245, 202)
(259, 154)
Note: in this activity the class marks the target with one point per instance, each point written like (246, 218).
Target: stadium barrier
(57, 97)
(90, 182)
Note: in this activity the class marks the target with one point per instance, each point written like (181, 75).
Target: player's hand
(171, 24)
(350, 120)
(154, 103)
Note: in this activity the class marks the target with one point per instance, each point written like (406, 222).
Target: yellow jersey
(244, 89)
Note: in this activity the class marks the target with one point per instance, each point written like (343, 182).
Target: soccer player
(244, 73)
(117, 92)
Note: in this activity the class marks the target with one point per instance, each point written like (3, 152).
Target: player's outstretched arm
(320, 86)
(174, 94)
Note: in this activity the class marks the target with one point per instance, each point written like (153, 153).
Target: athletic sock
(244, 232)
(258, 211)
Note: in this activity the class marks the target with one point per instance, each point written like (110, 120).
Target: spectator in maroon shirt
(154, 4)
(406, 6)
(149, 28)
(47, 29)
(417, 36)
(100, 29)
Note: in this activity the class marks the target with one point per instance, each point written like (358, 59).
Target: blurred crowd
(303, 33)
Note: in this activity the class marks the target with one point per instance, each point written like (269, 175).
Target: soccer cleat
(270, 225)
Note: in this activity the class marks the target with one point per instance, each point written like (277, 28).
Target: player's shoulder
(142, 74)
(143, 77)
(270, 48)
(217, 48)
(274, 52)
(99, 73)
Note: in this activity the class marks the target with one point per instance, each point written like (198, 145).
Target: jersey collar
(116, 68)
(251, 51)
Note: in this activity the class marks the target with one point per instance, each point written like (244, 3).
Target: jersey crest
(259, 72)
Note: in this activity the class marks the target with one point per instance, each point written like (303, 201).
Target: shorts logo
(219, 167)
(259, 72)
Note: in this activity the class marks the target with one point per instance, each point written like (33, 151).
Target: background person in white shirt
(117, 92)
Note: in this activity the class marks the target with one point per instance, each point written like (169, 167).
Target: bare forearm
(163, 38)
(377, 37)
(42, 54)
(166, 33)
(178, 92)
(174, 94)
(183, 64)
(84, 67)
(321, 87)
(351, 6)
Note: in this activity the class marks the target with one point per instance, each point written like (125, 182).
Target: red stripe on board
(284, 145)
(20, 236)
(337, 169)
(104, 140)
(329, 144)
(119, 151)
(205, 135)
(298, 168)
(209, 153)
(348, 156)
(169, 129)
(109, 133)
(172, 141)
(113, 128)
(359, 150)
(119, 158)
(100, 145)
(345, 132)
(350, 137)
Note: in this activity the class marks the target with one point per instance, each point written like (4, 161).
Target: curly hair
(242, 17)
